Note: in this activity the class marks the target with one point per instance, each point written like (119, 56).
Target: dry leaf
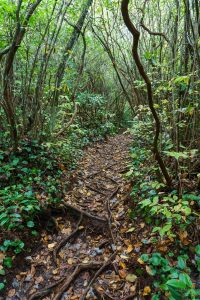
(131, 229)
(124, 256)
(140, 261)
(51, 246)
(146, 291)
(11, 293)
(142, 225)
(122, 273)
(183, 237)
(86, 260)
(122, 264)
(55, 272)
(129, 249)
(133, 288)
(131, 278)
(70, 261)
(149, 271)
(2, 256)
(81, 227)
(66, 230)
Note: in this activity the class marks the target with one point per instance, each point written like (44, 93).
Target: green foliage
(31, 180)
(169, 278)
(168, 214)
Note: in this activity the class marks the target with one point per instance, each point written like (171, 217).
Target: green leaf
(144, 257)
(30, 224)
(155, 259)
(197, 250)
(7, 262)
(176, 283)
(2, 272)
(186, 279)
(181, 263)
(177, 155)
(2, 286)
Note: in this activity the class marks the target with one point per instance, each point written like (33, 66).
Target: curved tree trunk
(136, 35)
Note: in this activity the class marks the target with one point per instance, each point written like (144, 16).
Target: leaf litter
(99, 258)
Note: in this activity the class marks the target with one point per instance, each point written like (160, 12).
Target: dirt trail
(87, 258)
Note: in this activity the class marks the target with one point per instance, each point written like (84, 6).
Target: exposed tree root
(102, 170)
(83, 212)
(95, 190)
(102, 268)
(66, 239)
(45, 292)
(78, 269)
(110, 213)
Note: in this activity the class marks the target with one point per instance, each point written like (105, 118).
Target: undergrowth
(33, 179)
(172, 216)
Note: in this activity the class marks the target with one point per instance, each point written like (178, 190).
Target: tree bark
(136, 35)
(66, 54)
(8, 102)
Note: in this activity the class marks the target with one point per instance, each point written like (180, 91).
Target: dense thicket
(72, 72)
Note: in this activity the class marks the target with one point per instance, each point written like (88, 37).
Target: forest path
(89, 257)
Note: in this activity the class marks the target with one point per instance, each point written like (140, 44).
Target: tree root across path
(44, 292)
(83, 259)
(82, 212)
(66, 239)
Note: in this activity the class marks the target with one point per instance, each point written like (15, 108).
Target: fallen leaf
(122, 273)
(122, 264)
(2, 256)
(81, 227)
(66, 230)
(124, 256)
(146, 291)
(131, 278)
(70, 261)
(149, 271)
(86, 260)
(51, 246)
(183, 237)
(11, 293)
(140, 261)
(129, 249)
(133, 288)
(130, 229)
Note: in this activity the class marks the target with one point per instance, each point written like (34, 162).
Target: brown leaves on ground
(97, 177)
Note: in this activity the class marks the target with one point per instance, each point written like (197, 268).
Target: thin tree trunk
(136, 35)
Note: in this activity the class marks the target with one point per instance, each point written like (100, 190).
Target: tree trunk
(136, 35)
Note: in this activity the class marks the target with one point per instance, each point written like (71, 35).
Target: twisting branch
(147, 29)
(136, 36)
(154, 33)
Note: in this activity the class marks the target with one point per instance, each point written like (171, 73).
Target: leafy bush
(174, 281)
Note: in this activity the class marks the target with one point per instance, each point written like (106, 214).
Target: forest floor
(91, 256)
